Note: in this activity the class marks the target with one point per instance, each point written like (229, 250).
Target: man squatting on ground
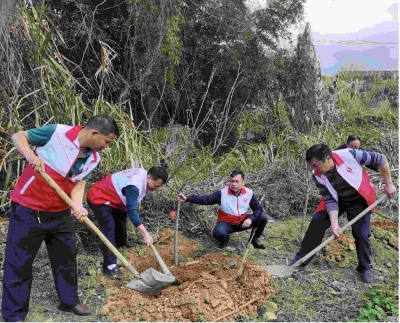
(68, 155)
(116, 196)
(345, 187)
(234, 202)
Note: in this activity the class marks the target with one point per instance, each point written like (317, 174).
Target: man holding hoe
(115, 197)
(68, 155)
(345, 187)
(234, 202)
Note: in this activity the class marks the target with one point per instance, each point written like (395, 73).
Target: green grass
(383, 253)
(38, 313)
(290, 297)
(288, 230)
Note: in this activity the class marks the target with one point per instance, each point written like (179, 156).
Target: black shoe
(114, 273)
(80, 309)
(367, 276)
(224, 243)
(293, 262)
(302, 265)
(257, 244)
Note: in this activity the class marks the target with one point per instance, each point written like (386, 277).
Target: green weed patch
(379, 304)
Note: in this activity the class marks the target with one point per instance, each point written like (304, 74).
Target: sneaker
(301, 266)
(367, 276)
(257, 244)
(80, 309)
(114, 273)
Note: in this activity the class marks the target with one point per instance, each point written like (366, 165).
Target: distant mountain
(335, 55)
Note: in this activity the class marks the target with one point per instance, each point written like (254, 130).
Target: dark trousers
(361, 232)
(113, 225)
(24, 238)
(223, 229)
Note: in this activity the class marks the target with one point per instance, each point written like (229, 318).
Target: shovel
(149, 282)
(167, 278)
(283, 271)
(253, 231)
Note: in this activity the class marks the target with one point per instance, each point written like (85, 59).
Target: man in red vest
(68, 155)
(115, 197)
(345, 187)
(234, 202)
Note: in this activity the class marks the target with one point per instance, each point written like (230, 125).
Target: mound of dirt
(208, 291)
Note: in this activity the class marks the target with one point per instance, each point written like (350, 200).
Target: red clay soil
(385, 225)
(334, 251)
(208, 291)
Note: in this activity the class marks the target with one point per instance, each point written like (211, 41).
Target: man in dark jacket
(354, 142)
(234, 202)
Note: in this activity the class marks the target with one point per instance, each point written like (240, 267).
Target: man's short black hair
(103, 124)
(236, 172)
(157, 172)
(319, 151)
(352, 138)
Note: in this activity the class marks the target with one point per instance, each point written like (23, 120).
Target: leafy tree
(306, 78)
(197, 63)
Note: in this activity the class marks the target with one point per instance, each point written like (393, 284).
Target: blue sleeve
(41, 136)
(214, 198)
(370, 158)
(330, 202)
(256, 208)
(131, 193)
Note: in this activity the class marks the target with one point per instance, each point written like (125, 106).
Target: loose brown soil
(335, 250)
(385, 225)
(207, 291)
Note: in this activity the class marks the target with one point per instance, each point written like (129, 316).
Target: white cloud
(342, 16)
(346, 16)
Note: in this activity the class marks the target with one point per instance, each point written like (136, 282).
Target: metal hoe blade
(151, 282)
(280, 271)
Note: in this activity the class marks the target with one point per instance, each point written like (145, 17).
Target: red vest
(59, 155)
(108, 191)
(353, 173)
(234, 209)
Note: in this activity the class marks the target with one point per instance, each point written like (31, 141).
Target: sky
(352, 34)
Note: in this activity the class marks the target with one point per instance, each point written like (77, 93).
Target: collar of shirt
(242, 191)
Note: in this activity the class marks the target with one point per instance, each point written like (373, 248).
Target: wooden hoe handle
(323, 244)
